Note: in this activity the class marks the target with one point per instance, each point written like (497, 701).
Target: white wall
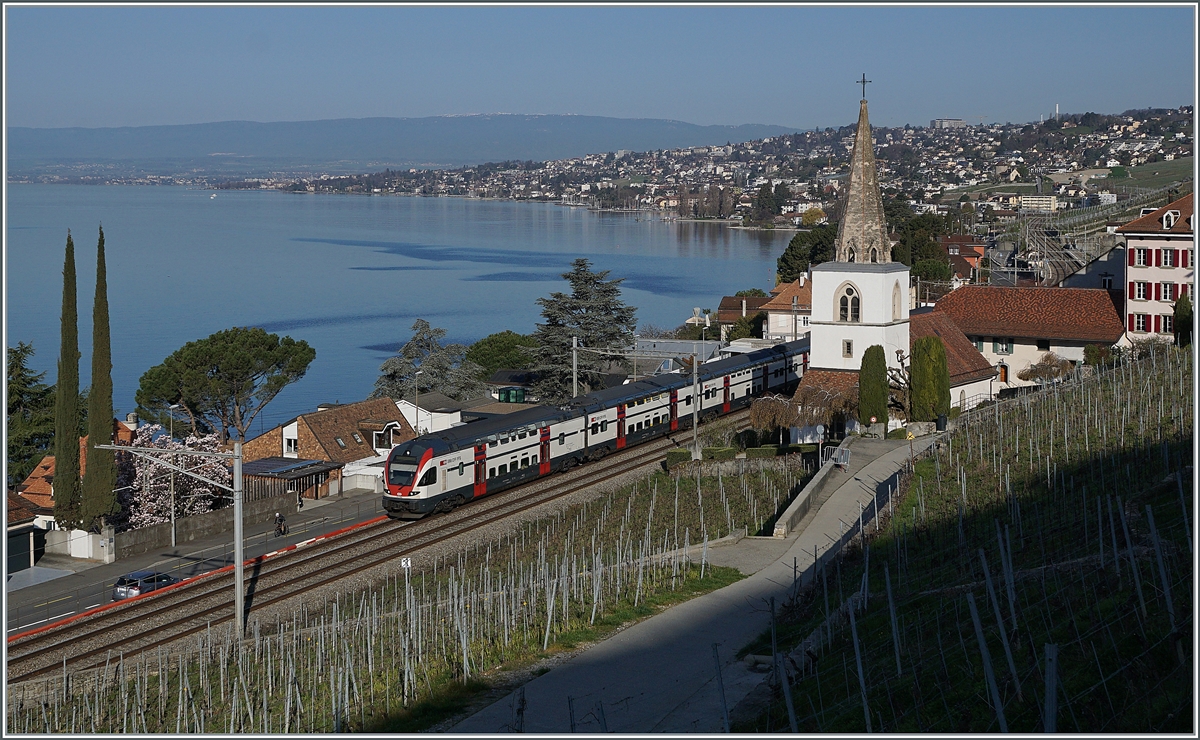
(430, 421)
(883, 295)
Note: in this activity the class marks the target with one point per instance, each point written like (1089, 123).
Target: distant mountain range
(351, 144)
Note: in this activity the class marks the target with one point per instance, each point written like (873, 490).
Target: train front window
(429, 478)
(401, 471)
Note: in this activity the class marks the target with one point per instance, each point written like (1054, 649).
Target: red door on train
(621, 426)
(544, 452)
(480, 470)
(725, 404)
(674, 410)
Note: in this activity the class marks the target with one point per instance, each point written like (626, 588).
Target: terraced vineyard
(1037, 573)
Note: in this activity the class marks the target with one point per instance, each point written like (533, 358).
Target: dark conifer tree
(930, 379)
(100, 473)
(66, 405)
(873, 386)
(594, 312)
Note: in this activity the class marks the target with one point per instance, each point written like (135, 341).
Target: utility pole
(695, 404)
(239, 586)
(793, 318)
(574, 366)
(171, 433)
(153, 455)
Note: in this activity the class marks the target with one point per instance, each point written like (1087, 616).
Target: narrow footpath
(660, 674)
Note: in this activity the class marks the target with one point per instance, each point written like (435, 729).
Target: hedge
(675, 457)
(752, 452)
(720, 453)
(773, 451)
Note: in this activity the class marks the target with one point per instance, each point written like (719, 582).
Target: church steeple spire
(862, 235)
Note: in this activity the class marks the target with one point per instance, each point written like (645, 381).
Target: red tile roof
(1152, 223)
(360, 418)
(19, 512)
(964, 362)
(837, 383)
(36, 488)
(782, 300)
(1065, 314)
(730, 309)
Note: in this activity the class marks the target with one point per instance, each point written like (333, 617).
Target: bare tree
(773, 412)
(818, 405)
(1049, 369)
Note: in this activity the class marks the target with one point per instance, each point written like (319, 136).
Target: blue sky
(792, 66)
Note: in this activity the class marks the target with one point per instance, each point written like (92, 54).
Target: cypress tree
(873, 386)
(66, 405)
(930, 378)
(100, 474)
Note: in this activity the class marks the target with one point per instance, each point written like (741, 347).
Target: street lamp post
(171, 425)
(417, 403)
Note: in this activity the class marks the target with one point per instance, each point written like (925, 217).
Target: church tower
(861, 298)
(862, 235)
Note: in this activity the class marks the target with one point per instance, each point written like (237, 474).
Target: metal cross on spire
(863, 82)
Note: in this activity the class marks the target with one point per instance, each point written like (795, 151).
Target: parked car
(140, 582)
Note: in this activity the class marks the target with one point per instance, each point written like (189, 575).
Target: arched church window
(850, 256)
(848, 305)
(896, 302)
(874, 255)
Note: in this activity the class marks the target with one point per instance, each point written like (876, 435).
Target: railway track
(160, 618)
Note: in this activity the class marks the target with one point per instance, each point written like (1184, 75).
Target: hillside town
(1067, 161)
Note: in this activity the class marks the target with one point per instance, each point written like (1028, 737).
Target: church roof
(863, 226)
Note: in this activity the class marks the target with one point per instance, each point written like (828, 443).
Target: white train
(441, 470)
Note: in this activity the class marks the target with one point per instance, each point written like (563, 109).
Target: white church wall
(883, 313)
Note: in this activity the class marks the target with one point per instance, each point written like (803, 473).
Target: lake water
(347, 274)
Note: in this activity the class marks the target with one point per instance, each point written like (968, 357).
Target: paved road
(659, 675)
(59, 586)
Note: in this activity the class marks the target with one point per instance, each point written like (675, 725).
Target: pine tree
(66, 405)
(594, 312)
(930, 379)
(100, 473)
(873, 386)
(30, 414)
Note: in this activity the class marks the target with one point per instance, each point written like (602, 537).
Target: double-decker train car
(441, 470)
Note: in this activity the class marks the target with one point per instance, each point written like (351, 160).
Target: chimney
(801, 279)
(131, 421)
(743, 308)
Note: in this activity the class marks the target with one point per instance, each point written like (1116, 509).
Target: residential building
(22, 546)
(1014, 327)
(734, 308)
(1160, 258)
(355, 436)
(788, 310)
(37, 490)
(1039, 202)
(512, 386)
